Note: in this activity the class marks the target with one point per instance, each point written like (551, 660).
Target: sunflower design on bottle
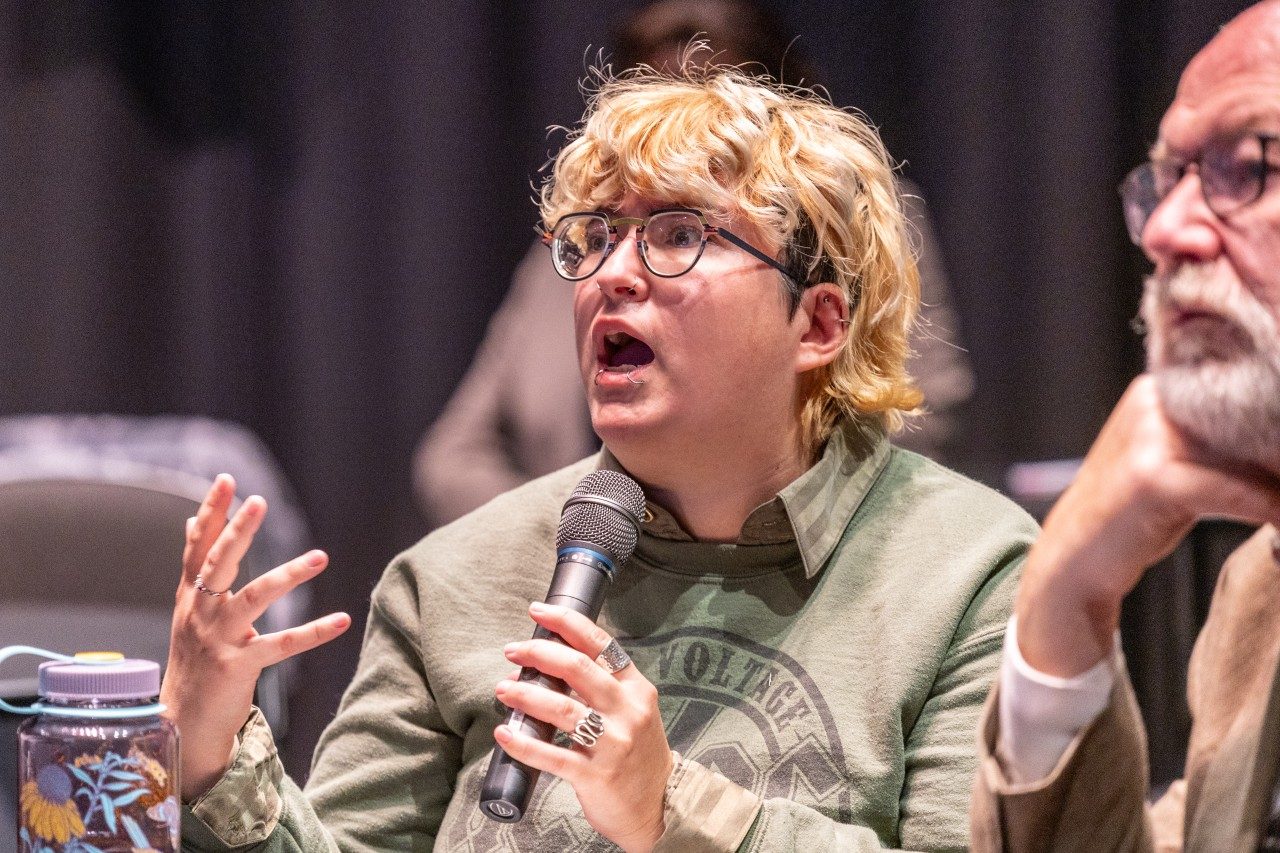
(49, 811)
(96, 797)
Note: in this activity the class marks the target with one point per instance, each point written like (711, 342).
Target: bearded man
(1198, 435)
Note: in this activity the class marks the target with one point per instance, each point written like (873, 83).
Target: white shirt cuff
(1041, 714)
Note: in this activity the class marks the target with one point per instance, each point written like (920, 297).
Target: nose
(1182, 228)
(623, 276)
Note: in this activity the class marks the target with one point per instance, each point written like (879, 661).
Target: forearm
(1074, 582)
(1142, 486)
(254, 806)
(1065, 628)
(1040, 715)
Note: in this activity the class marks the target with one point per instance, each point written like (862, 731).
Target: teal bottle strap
(13, 651)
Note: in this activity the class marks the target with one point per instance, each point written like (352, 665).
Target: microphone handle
(579, 583)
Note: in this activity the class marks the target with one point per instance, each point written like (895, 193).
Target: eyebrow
(1248, 120)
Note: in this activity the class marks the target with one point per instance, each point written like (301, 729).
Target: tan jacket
(1094, 800)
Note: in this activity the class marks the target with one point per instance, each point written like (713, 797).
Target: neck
(712, 495)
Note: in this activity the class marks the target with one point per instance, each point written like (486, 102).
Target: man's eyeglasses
(1233, 175)
(671, 242)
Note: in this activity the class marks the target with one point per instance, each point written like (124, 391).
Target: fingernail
(539, 607)
(502, 734)
(315, 558)
(510, 649)
(503, 687)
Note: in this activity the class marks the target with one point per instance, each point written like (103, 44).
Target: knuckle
(558, 763)
(624, 739)
(288, 643)
(647, 693)
(252, 595)
(645, 718)
(584, 665)
(217, 555)
(1150, 464)
(568, 709)
(613, 776)
(598, 637)
(1149, 470)
(223, 661)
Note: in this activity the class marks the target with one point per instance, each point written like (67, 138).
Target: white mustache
(1194, 287)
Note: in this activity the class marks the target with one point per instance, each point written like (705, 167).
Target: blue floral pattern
(104, 788)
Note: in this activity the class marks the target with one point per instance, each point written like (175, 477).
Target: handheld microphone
(599, 526)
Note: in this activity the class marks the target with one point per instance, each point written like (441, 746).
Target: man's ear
(825, 312)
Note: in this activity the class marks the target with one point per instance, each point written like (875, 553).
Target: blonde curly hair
(815, 178)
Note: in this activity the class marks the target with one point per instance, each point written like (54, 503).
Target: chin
(620, 423)
(1232, 407)
(1215, 355)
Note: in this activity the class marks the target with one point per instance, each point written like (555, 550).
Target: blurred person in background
(520, 410)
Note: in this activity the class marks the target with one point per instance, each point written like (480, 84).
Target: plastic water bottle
(97, 764)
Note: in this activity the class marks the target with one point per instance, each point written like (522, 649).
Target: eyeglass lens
(670, 243)
(1232, 176)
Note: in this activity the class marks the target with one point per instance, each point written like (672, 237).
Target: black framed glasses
(671, 242)
(1233, 175)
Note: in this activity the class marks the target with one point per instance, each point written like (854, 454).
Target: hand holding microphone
(619, 761)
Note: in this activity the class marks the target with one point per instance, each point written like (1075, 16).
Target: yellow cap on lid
(98, 657)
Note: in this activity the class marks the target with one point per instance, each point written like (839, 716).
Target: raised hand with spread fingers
(215, 653)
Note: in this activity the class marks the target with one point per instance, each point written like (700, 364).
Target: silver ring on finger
(588, 730)
(613, 658)
(198, 583)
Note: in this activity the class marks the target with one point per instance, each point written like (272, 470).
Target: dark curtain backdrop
(299, 216)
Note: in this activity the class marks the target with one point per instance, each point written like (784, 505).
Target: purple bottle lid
(99, 675)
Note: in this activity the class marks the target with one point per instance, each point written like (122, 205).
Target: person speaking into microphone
(795, 655)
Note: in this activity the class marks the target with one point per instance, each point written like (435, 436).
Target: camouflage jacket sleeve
(254, 806)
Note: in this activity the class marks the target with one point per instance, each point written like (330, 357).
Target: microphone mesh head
(606, 526)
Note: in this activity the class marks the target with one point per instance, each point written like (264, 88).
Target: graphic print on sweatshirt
(745, 710)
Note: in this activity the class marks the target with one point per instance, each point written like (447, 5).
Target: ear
(824, 318)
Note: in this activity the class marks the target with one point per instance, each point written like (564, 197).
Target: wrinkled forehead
(1230, 88)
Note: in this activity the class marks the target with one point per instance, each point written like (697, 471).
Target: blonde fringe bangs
(798, 169)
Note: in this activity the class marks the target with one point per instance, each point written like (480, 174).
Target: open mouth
(1191, 315)
(623, 352)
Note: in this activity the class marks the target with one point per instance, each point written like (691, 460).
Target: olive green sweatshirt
(821, 677)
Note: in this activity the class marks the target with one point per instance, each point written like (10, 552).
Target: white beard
(1218, 378)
